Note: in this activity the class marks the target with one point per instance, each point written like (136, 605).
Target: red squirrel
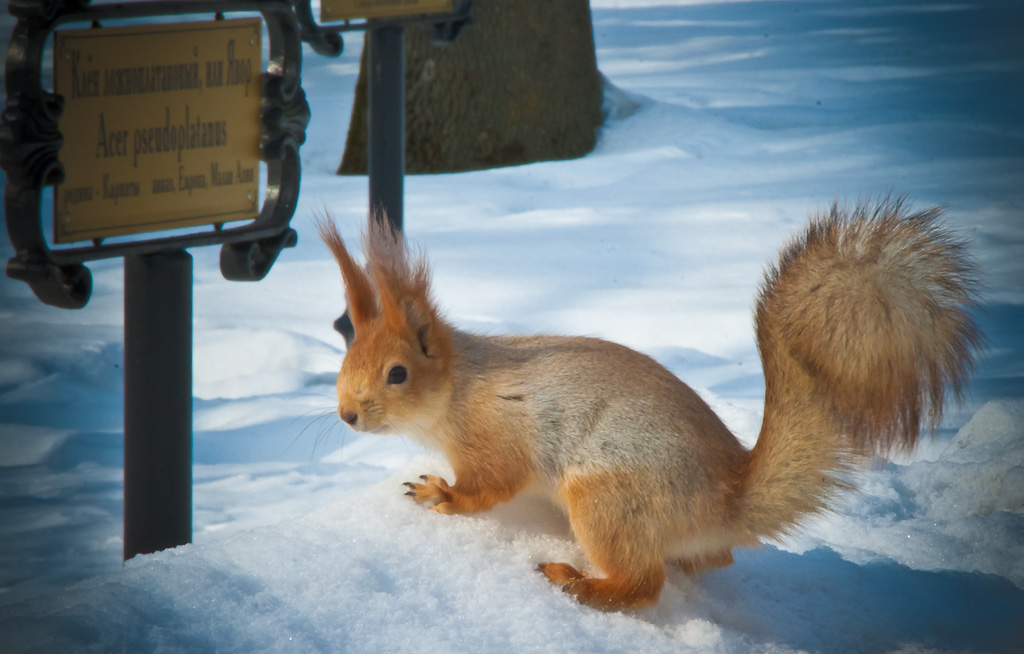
(861, 325)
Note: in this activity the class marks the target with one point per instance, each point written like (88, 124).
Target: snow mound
(981, 472)
(374, 572)
(964, 511)
(242, 363)
(995, 434)
(28, 445)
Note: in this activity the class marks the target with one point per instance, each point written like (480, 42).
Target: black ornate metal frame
(30, 140)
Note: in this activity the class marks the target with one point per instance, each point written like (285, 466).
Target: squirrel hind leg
(618, 538)
(611, 593)
(698, 565)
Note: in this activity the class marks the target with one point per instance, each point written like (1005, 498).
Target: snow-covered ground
(734, 120)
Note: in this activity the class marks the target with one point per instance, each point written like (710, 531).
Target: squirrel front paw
(433, 489)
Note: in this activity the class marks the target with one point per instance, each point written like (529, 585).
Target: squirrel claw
(434, 489)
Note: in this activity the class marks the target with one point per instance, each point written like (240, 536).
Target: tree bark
(519, 84)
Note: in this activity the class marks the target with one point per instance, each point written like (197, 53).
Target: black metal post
(157, 401)
(385, 110)
(385, 143)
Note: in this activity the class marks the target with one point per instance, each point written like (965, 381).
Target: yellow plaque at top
(348, 9)
(161, 127)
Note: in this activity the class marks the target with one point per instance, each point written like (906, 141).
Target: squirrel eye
(398, 375)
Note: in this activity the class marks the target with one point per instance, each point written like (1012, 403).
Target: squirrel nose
(350, 417)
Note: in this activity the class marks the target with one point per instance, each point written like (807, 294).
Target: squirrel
(861, 325)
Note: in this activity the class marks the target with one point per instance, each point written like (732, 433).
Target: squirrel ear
(432, 335)
(421, 335)
(424, 330)
(362, 301)
(403, 316)
(409, 317)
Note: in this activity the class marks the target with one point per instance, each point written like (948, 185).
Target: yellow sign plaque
(349, 9)
(161, 127)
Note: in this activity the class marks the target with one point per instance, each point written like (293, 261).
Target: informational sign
(161, 127)
(349, 9)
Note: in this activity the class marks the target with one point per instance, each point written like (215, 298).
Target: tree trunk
(519, 84)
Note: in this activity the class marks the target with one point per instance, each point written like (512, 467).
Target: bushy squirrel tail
(862, 325)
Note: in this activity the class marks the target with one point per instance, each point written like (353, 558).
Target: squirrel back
(862, 325)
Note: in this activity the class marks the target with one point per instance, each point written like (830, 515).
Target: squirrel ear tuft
(362, 300)
(390, 305)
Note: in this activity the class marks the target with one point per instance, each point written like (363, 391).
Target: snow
(728, 123)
